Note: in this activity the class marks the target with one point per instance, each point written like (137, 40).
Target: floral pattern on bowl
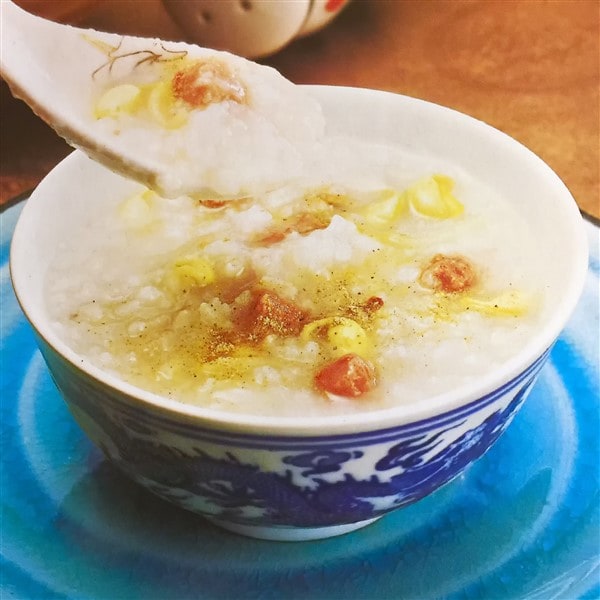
(295, 487)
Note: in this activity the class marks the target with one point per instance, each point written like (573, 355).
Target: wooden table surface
(528, 67)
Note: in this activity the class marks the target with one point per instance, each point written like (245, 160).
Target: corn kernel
(386, 209)
(197, 268)
(432, 197)
(509, 304)
(164, 107)
(343, 334)
(117, 100)
(348, 337)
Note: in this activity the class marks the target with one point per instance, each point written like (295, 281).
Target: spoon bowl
(117, 98)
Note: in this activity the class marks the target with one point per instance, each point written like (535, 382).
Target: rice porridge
(380, 278)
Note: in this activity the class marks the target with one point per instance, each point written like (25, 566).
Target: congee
(375, 279)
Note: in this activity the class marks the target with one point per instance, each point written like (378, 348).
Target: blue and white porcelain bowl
(301, 478)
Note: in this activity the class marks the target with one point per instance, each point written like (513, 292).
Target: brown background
(529, 67)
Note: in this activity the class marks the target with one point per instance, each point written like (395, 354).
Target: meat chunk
(207, 82)
(372, 305)
(450, 274)
(350, 376)
(269, 314)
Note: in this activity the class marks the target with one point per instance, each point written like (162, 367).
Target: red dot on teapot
(333, 5)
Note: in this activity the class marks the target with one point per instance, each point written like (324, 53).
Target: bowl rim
(316, 426)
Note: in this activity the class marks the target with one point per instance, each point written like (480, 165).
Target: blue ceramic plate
(522, 522)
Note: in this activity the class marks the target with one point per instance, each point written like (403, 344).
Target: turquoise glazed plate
(522, 522)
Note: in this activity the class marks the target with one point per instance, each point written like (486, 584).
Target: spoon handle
(38, 60)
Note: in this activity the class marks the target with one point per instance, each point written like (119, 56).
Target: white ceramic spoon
(253, 138)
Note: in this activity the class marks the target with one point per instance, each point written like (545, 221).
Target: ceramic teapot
(251, 28)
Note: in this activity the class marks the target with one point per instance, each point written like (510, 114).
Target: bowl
(307, 478)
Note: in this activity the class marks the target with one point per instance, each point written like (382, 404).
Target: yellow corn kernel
(347, 337)
(164, 107)
(137, 210)
(508, 304)
(343, 334)
(386, 209)
(121, 99)
(197, 268)
(432, 197)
